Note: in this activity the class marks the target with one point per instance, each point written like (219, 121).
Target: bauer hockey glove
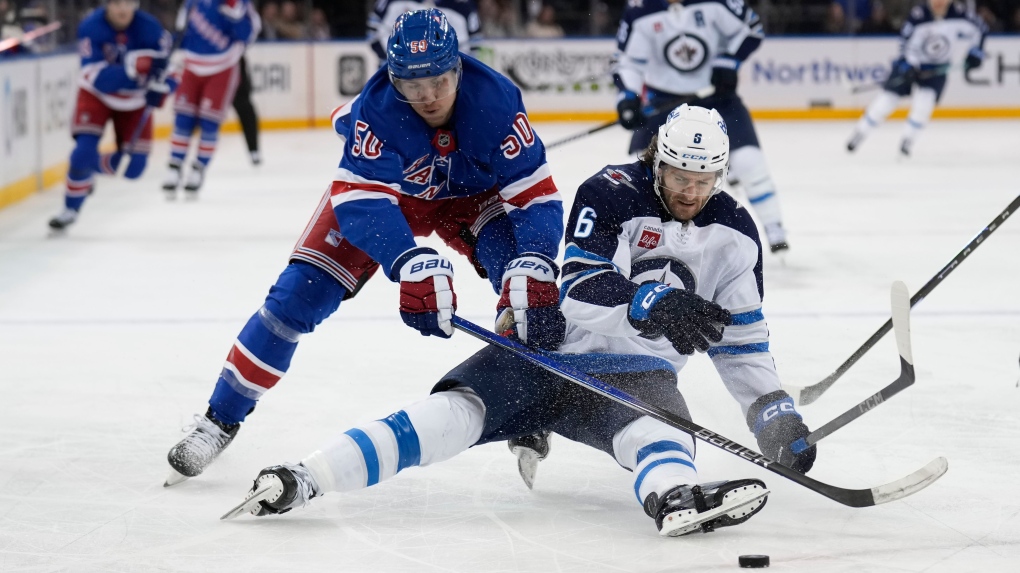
(724, 76)
(688, 321)
(427, 300)
(974, 59)
(529, 307)
(628, 105)
(777, 425)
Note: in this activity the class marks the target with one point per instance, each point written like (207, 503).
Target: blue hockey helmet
(423, 44)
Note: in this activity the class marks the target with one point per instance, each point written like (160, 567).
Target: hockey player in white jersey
(461, 14)
(659, 264)
(672, 51)
(929, 38)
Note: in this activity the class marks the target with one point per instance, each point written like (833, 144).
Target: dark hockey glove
(688, 321)
(777, 426)
(158, 91)
(974, 59)
(529, 307)
(427, 300)
(724, 79)
(628, 105)
(903, 74)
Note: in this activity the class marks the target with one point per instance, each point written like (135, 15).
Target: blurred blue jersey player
(436, 143)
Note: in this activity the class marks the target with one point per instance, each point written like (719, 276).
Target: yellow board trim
(54, 174)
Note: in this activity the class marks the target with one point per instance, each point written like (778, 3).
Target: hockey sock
(877, 111)
(207, 143)
(109, 162)
(84, 162)
(429, 431)
(181, 137)
(136, 166)
(921, 107)
(662, 457)
(302, 297)
(748, 165)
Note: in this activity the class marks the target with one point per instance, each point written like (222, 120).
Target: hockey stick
(892, 491)
(807, 394)
(922, 75)
(901, 325)
(29, 37)
(700, 94)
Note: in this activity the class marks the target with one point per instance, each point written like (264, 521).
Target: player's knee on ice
(776, 425)
(136, 166)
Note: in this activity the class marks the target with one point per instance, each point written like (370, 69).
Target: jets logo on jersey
(935, 47)
(650, 238)
(667, 270)
(686, 53)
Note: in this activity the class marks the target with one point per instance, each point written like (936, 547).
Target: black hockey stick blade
(892, 491)
(805, 395)
(901, 326)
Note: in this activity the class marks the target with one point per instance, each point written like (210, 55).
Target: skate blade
(174, 478)
(251, 503)
(527, 464)
(689, 520)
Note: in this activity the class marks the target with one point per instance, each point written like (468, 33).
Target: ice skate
(277, 489)
(905, 146)
(172, 181)
(194, 182)
(855, 141)
(687, 509)
(529, 450)
(206, 440)
(776, 236)
(256, 157)
(64, 219)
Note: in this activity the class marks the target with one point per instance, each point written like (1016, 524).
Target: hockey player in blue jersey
(671, 51)
(123, 54)
(660, 263)
(216, 33)
(436, 142)
(927, 43)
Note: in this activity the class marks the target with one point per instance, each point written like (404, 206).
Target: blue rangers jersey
(115, 65)
(928, 42)
(216, 33)
(461, 14)
(672, 48)
(390, 152)
(620, 235)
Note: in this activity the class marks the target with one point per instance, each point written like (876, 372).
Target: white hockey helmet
(694, 139)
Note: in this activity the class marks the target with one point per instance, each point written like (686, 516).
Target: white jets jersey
(672, 47)
(461, 14)
(927, 41)
(619, 236)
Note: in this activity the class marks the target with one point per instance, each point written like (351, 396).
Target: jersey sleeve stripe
(350, 187)
(754, 348)
(748, 317)
(537, 187)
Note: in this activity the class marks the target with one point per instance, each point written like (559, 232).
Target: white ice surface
(111, 339)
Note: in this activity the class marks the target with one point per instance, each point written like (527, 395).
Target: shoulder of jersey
(624, 191)
(641, 8)
(94, 20)
(723, 209)
(920, 14)
(484, 84)
(148, 22)
(462, 7)
(737, 9)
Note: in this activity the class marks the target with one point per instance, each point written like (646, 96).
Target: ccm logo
(772, 411)
(419, 46)
(646, 302)
(696, 157)
(431, 264)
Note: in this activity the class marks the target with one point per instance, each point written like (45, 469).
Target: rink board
(297, 84)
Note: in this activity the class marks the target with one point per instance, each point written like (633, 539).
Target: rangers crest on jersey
(687, 52)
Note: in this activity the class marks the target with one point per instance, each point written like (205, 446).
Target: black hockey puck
(753, 561)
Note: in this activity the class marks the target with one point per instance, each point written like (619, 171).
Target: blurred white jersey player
(676, 51)
(929, 38)
(461, 14)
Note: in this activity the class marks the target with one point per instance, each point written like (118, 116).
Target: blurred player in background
(436, 142)
(928, 40)
(246, 113)
(461, 14)
(659, 263)
(673, 51)
(124, 54)
(216, 33)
